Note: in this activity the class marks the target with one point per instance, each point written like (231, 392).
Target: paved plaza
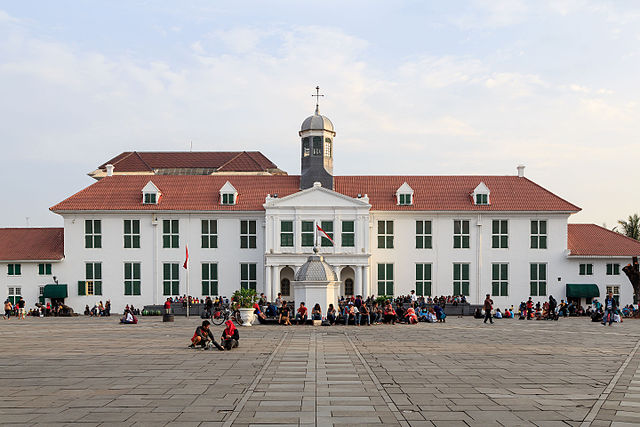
(60, 371)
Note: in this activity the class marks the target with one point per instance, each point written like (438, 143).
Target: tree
(630, 227)
(633, 273)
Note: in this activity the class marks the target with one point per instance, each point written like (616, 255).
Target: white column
(358, 280)
(275, 281)
(365, 281)
(267, 282)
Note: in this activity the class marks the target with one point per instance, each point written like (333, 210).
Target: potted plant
(245, 298)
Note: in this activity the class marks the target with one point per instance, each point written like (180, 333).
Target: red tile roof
(201, 192)
(31, 244)
(143, 161)
(591, 239)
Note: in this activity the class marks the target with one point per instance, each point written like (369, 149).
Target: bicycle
(219, 316)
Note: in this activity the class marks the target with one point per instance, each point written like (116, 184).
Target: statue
(633, 273)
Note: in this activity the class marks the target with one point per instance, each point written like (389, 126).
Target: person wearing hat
(488, 306)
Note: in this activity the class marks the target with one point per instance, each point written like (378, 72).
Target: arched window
(305, 147)
(317, 146)
(285, 287)
(348, 287)
(327, 147)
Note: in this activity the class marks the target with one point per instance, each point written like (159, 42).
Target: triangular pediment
(227, 188)
(316, 197)
(481, 189)
(150, 188)
(405, 189)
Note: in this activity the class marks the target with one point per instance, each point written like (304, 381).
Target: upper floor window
(14, 269)
(481, 194)
(228, 194)
(499, 233)
(92, 233)
(170, 233)
(404, 195)
(307, 233)
(247, 234)
(209, 235)
(538, 234)
(461, 233)
(327, 226)
(317, 146)
(327, 147)
(150, 199)
(423, 235)
(305, 147)
(613, 269)
(131, 233)
(44, 269)
(348, 234)
(586, 269)
(150, 194)
(286, 234)
(385, 234)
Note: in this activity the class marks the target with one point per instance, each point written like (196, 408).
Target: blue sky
(415, 87)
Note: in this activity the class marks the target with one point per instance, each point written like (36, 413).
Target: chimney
(521, 171)
(110, 170)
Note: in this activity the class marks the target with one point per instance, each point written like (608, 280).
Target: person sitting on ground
(347, 313)
(389, 314)
(498, 314)
(439, 313)
(316, 312)
(203, 335)
(230, 336)
(411, 316)
(129, 318)
(331, 314)
(259, 314)
(301, 316)
(284, 315)
(478, 313)
(87, 312)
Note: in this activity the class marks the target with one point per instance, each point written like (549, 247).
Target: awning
(55, 291)
(580, 291)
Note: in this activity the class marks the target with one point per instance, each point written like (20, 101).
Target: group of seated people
(203, 337)
(99, 309)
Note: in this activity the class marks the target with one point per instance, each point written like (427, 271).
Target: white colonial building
(248, 224)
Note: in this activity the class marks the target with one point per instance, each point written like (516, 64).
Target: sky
(412, 87)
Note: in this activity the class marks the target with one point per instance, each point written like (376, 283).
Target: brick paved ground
(97, 372)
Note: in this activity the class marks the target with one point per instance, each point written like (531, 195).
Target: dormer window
(404, 195)
(228, 194)
(481, 194)
(150, 194)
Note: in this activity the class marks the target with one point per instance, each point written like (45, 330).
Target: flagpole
(188, 297)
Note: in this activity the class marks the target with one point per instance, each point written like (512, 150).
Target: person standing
(7, 309)
(488, 306)
(610, 308)
(21, 309)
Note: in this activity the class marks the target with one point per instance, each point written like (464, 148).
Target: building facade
(126, 236)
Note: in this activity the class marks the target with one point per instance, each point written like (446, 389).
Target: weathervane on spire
(317, 95)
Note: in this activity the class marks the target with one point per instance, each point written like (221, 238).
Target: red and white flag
(186, 261)
(325, 234)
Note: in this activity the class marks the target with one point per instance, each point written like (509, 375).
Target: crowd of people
(99, 309)
(18, 310)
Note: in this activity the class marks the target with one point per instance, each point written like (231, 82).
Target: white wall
(29, 280)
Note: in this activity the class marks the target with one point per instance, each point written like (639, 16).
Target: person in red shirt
(301, 317)
(167, 306)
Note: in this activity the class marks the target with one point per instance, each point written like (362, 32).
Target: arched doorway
(286, 277)
(347, 276)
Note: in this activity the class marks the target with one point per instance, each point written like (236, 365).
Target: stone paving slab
(97, 372)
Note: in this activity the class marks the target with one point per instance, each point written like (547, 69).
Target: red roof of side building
(31, 244)
(201, 193)
(593, 240)
(143, 161)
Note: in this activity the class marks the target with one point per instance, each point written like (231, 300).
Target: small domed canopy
(315, 270)
(317, 122)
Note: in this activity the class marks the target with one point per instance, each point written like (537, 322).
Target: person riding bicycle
(230, 336)
(203, 335)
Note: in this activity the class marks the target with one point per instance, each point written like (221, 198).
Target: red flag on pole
(186, 261)
(325, 235)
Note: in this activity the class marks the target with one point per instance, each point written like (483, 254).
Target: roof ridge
(142, 160)
(231, 160)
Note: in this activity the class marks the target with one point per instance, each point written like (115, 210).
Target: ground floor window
(248, 276)
(385, 279)
(41, 294)
(461, 279)
(209, 279)
(538, 280)
(93, 280)
(615, 290)
(500, 279)
(132, 278)
(285, 287)
(15, 293)
(348, 287)
(170, 279)
(423, 279)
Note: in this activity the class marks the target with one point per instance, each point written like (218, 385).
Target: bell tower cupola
(316, 135)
